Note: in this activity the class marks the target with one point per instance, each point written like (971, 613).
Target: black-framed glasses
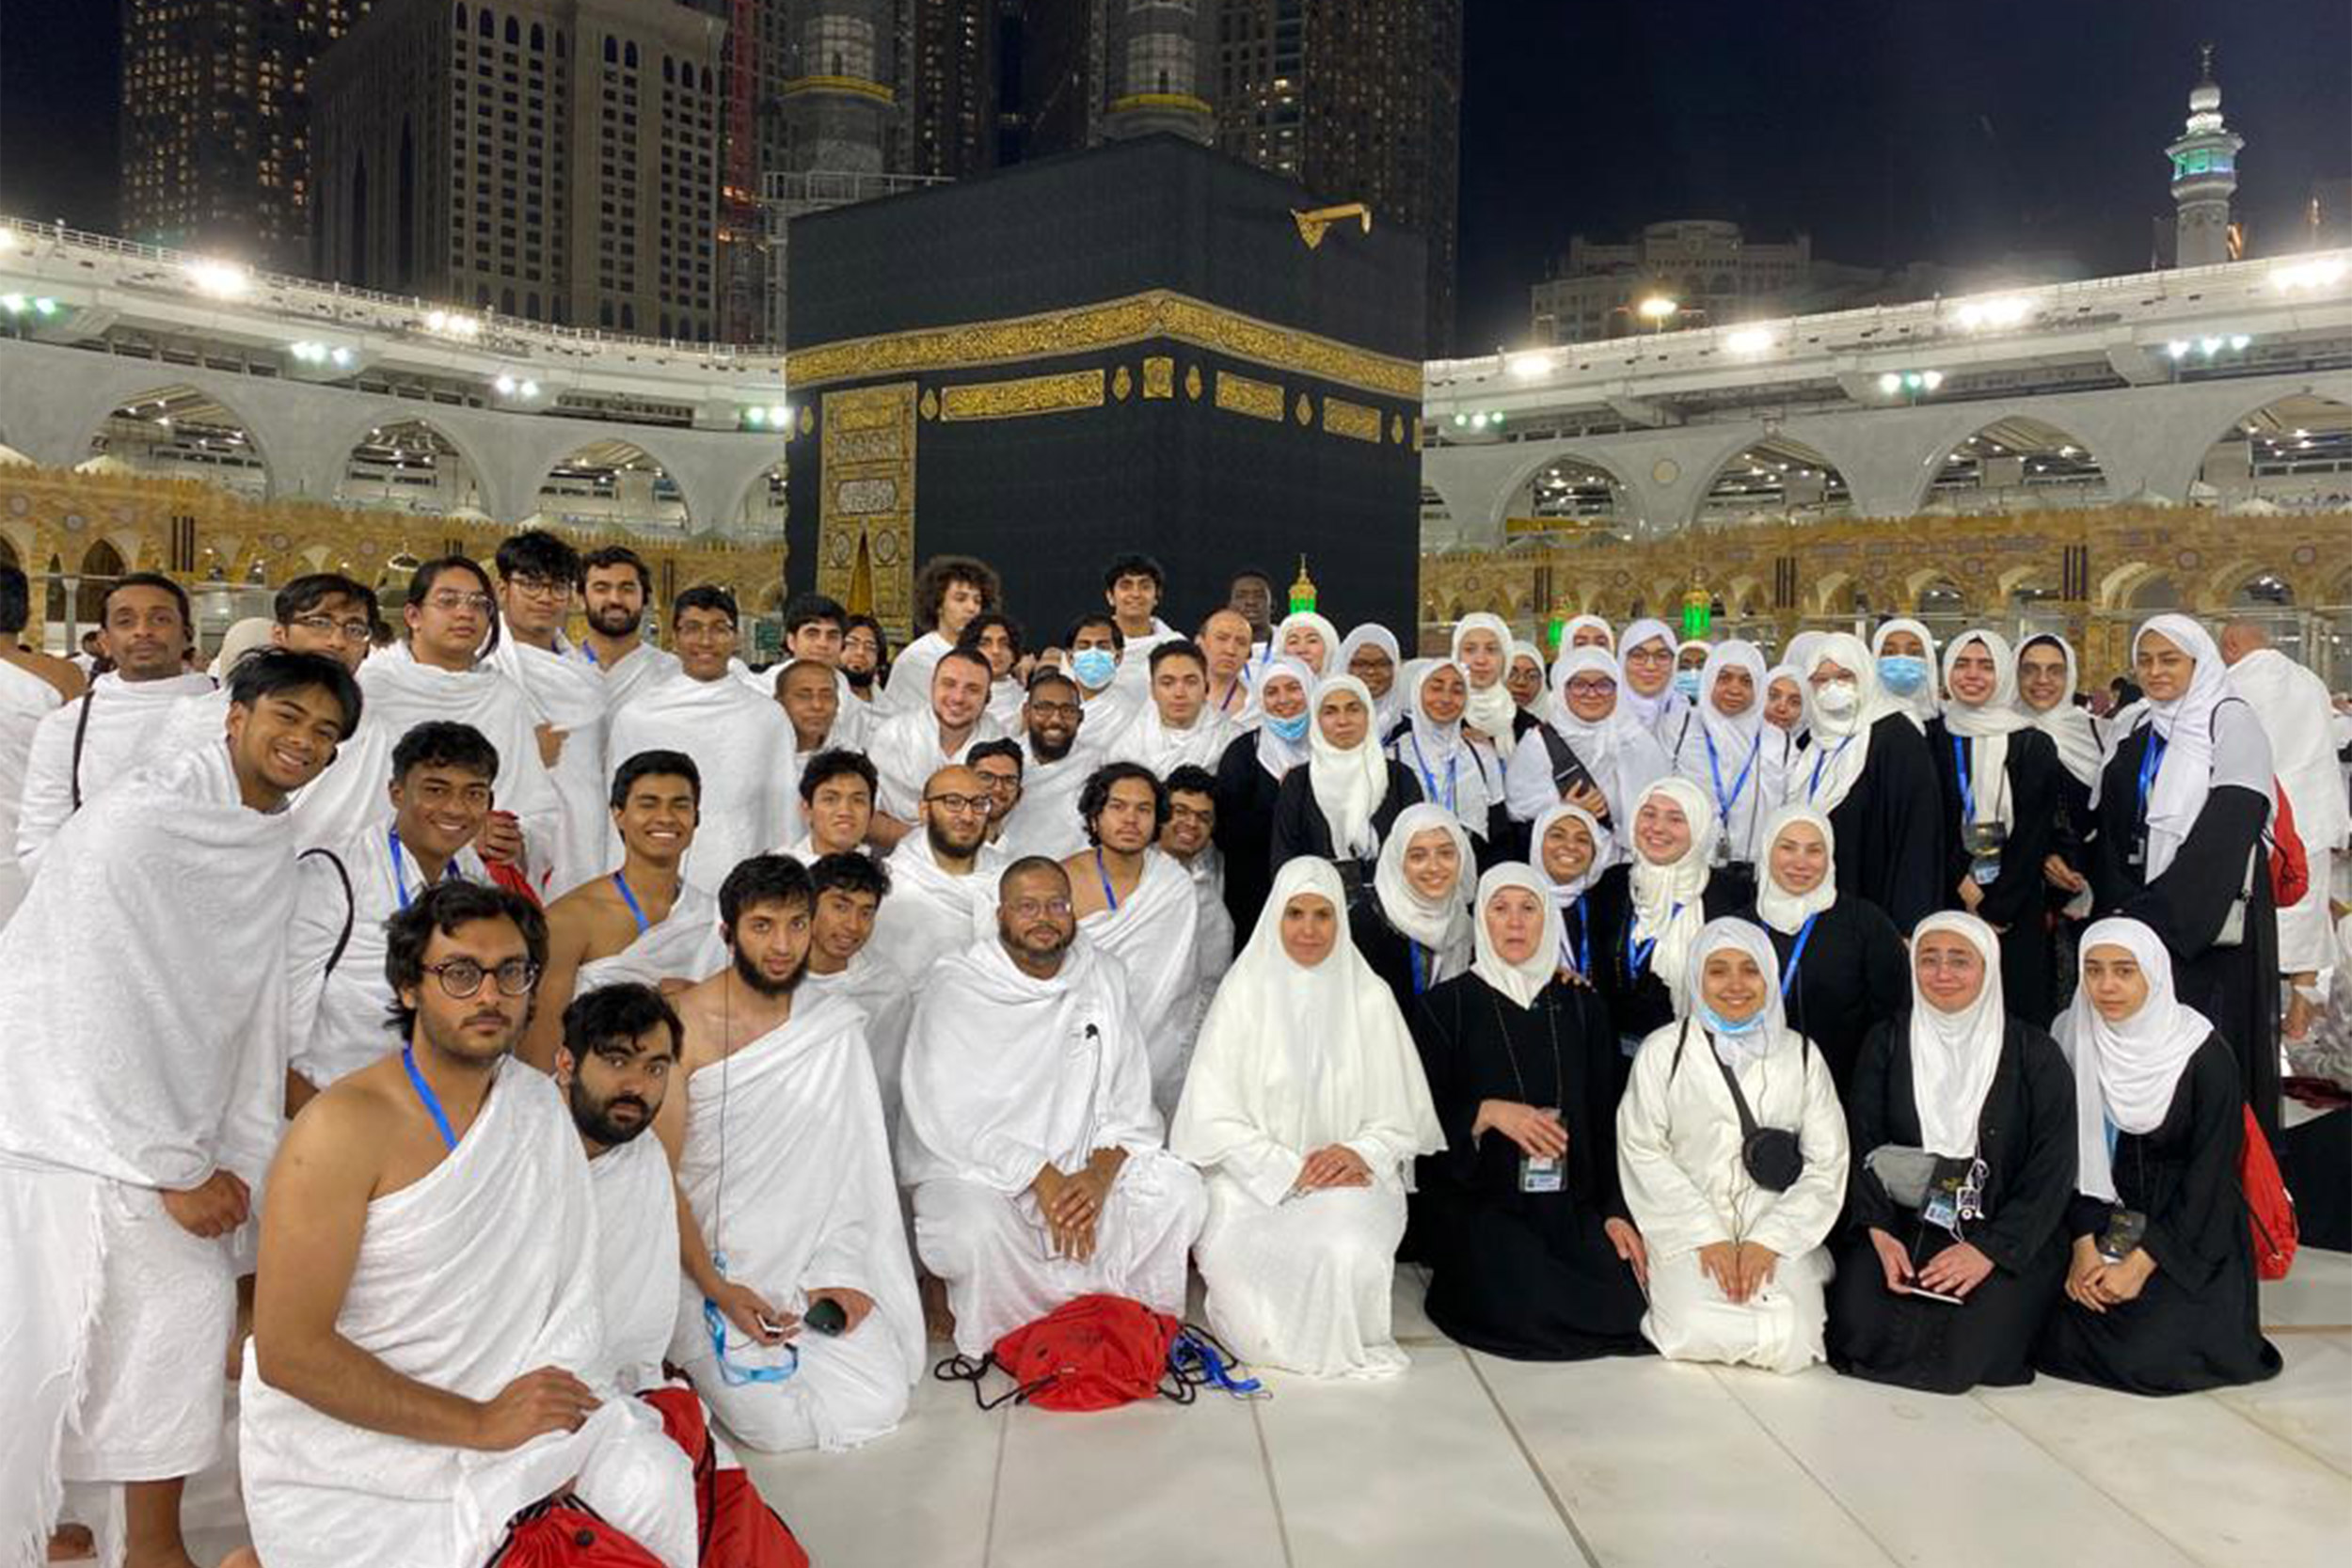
(326, 626)
(960, 802)
(536, 587)
(461, 977)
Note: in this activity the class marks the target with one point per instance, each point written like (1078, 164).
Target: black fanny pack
(1771, 1155)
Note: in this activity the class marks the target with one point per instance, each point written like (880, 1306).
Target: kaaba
(1147, 346)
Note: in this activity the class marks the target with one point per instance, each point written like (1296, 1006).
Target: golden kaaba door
(865, 526)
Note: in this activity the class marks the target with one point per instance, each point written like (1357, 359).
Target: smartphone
(771, 1325)
(1927, 1295)
(826, 1316)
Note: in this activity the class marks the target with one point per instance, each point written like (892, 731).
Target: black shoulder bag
(1771, 1156)
(351, 905)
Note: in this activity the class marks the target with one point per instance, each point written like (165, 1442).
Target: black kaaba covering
(1048, 498)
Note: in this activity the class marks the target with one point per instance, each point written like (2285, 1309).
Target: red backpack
(2269, 1207)
(738, 1529)
(2290, 864)
(564, 1533)
(1097, 1352)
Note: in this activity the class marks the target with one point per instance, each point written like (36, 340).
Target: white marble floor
(1471, 1460)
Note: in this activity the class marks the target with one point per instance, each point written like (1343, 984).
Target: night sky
(1892, 130)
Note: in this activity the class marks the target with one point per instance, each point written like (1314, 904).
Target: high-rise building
(1360, 100)
(954, 74)
(216, 124)
(552, 159)
(2204, 176)
(1711, 272)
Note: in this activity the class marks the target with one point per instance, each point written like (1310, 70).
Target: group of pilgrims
(1873, 1006)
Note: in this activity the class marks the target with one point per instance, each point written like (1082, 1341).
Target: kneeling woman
(2160, 1291)
(1732, 1153)
(1944, 1287)
(1646, 911)
(1531, 1253)
(1304, 1107)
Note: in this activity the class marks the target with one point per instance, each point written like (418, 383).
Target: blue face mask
(1292, 730)
(1722, 1026)
(1687, 682)
(1094, 667)
(1902, 674)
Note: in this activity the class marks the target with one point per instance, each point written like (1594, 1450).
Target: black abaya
(1391, 953)
(1635, 992)
(1245, 794)
(2025, 1137)
(1890, 846)
(1300, 828)
(1531, 1276)
(2014, 902)
(2193, 1324)
(1855, 974)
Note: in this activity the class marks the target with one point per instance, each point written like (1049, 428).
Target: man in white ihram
(1038, 1163)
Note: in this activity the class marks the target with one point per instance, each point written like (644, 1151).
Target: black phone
(826, 1316)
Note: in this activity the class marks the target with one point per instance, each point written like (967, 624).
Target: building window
(837, 45)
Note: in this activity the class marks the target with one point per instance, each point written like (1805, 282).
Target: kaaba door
(865, 526)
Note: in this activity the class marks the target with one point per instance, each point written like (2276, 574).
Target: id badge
(1542, 1176)
(2137, 854)
(1985, 869)
(2126, 1229)
(1942, 1208)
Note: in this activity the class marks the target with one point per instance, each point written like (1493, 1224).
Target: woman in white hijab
(1303, 1108)
(2182, 806)
(2160, 1289)
(1531, 1251)
(1965, 1082)
(1586, 631)
(1784, 710)
(1647, 658)
(1249, 783)
(1571, 850)
(1843, 968)
(1341, 804)
(1370, 653)
(1999, 777)
(1482, 646)
(2048, 677)
(1905, 653)
(1647, 909)
(1524, 675)
(1587, 751)
(1415, 929)
(1734, 1224)
(1869, 771)
(1311, 640)
(1456, 768)
(1729, 752)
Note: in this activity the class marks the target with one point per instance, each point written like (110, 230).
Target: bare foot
(175, 1557)
(71, 1543)
(243, 1557)
(939, 1323)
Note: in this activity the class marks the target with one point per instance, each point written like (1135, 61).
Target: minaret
(1157, 59)
(2205, 173)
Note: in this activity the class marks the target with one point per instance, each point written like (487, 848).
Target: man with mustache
(615, 586)
(1054, 767)
(538, 573)
(940, 875)
(797, 1322)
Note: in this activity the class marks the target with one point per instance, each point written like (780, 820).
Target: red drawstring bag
(2269, 1207)
(2290, 864)
(735, 1527)
(1095, 1353)
(564, 1533)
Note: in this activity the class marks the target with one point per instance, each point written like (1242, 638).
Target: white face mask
(1838, 698)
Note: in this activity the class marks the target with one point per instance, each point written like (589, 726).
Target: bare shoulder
(573, 916)
(345, 1130)
(701, 1013)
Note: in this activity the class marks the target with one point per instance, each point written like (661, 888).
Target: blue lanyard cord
(1724, 802)
(1796, 955)
(1421, 965)
(1108, 896)
(1429, 781)
(621, 881)
(1583, 937)
(2151, 764)
(425, 1096)
(1637, 957)
(1967, 786)
(400, 882)
(731, 1374)
(1821, 761)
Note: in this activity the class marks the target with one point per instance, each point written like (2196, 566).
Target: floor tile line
(2275, 1435)
(2178, 1544)
(1543, 1478)
(1273, 1488)
(2275, 1329)
(1729, 1385)
(996, 1486)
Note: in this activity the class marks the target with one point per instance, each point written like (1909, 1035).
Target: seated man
(1030, 1137)
(1137, 906)
(850, 891)
(940, 875)
(442, 775)
(645, 921)
(799, 1323)
(428, 1296)
(836, 804)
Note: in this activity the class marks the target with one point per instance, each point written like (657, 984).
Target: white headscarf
(1444, 926)
(1801, 648)
(1322, 628)
(1987, 726)
(2191, 764)
(1301, 1058)
(1277, 755)
(1921, 705)
(1523, 982)
(1596, 739)
(2072, 729)
(1491, 711)
(1841, 744)
(1568, 631)
(1667, 899)
(1749, 938)
(2126, 1072)
(1438, 752)
(1783, 910)
(1954, 1055)
(1564, 894)
(1651, 712)
(1391, 707)
(1795, 677)
(1739, 748)
(1348, 784)
(1523, 649)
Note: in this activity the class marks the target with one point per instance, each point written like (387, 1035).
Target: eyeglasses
(958, 803)
(1593, 689)
(1649, 655)
(540, 588)
(462, 978)
(452, 602)
(326, 626)
(1003, 783)
(1032, 909)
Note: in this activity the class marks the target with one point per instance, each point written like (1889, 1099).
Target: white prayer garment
(1132, 686)
(932, 911)
(881, 990)
(1491, 709)
(1046, 820)
(83, 748)
(906, 751)
(401, 694)
(1294, 1060)
(1155, 933)
(1678, 1155)
(909, 686)
(685, 946)
(338, 1020)
(1662, 715)
(25, 699)
(1006, 1074)
(1213, 951)
(2293, 707)
(637, 1259)
(1464, 776)
(164, 888)
(741, 744)
(642, 666)
(2207, 744)
(785, 1168)
(483, 1270)
(571, 696)
(1149, 740)
(1622, 756)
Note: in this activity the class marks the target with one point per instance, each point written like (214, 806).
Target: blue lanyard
(1421, 966)
(1108, 896)
(2151, 764)
(1230, 693)
(1967, 787)
(1822, 761)
(1796, 954)
(590, 654)
(1637, 957)
(621, 881)
(425, 1093)
(1583, 937)
(400, 884)
(1429, 781)
(733, 1376)
(1714, 766)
